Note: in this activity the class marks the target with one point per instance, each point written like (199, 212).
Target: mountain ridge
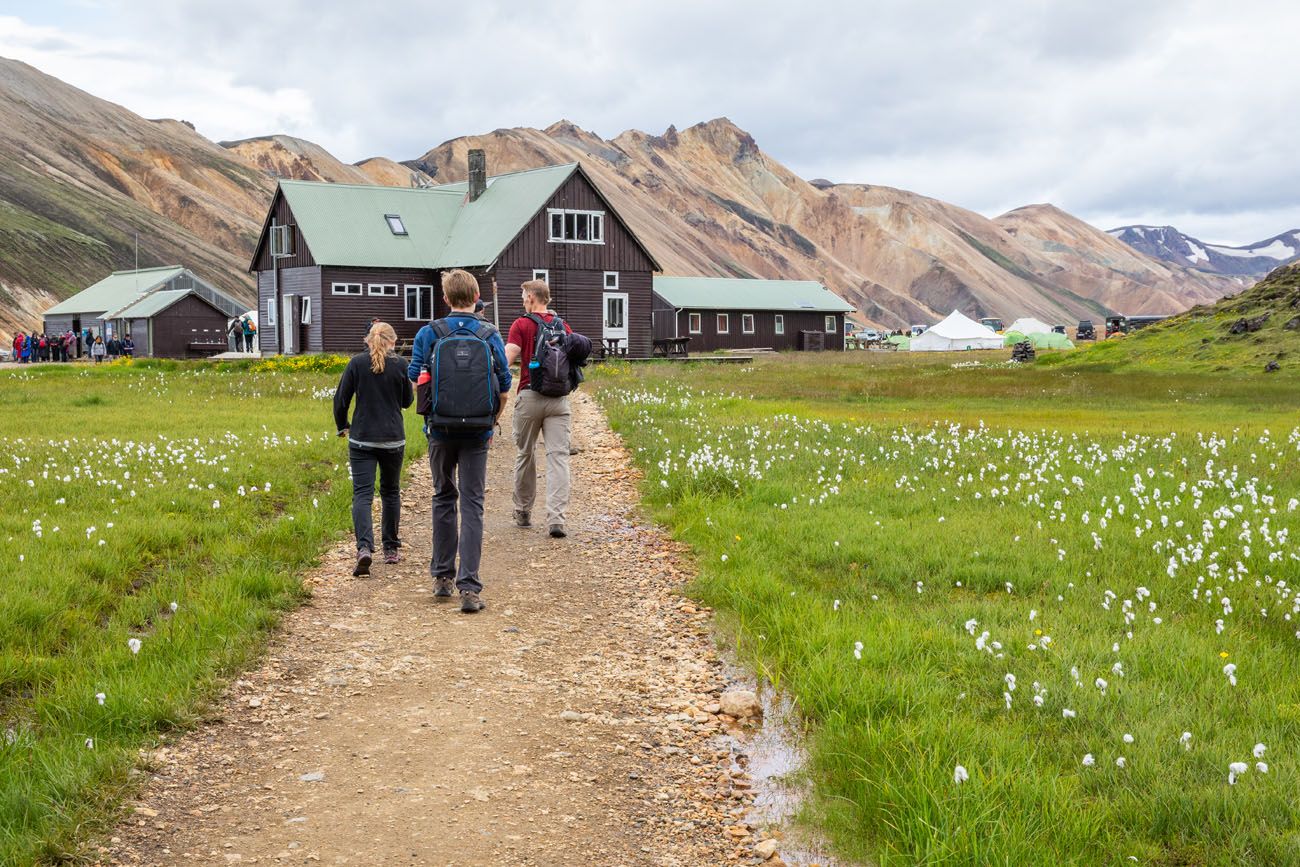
(1251, 260)
(80, 177)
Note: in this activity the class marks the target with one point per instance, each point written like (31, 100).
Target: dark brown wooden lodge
(719, 313)
(332, 257)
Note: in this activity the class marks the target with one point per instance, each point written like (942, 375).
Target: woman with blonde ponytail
(376, 439)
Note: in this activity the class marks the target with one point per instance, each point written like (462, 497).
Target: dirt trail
(566, 724)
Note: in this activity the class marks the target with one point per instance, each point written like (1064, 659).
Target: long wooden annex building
(726, 313)
(332, 257)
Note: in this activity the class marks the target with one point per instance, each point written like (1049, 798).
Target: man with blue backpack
(462, 379)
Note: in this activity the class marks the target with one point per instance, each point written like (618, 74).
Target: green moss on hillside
(1203, 338)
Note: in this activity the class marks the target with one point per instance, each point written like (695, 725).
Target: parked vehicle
(1086, 331)
(994, 323)
(918, 330)
(1058, 329)
(1116, 326)
(870, 335)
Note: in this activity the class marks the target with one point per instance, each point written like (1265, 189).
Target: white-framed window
(270, 312)
(388, 290)
(611, 281)
(305, 318)
(724, 323)
(830, 324)
(747, 323)
(282, 239)
(345, 288)
(543, 275)
(575, 227)
(419, 303)
(780, 323)
(695, 323)
(395, 224)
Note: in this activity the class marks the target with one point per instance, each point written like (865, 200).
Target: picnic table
(670, 347)
(611, 347)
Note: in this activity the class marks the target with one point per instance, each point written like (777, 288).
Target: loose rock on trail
(575, 721)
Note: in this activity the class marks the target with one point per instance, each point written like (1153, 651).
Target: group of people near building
(243, 330)
(35, 347)
(459, 378)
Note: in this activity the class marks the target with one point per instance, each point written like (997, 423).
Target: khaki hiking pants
(549, 416)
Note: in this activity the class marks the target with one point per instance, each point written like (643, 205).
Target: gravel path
(569, 723)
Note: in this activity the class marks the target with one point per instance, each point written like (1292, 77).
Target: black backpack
(550, 372)
(462, 388)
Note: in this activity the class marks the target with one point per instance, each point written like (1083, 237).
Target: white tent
(1029, 325)
(956, 332)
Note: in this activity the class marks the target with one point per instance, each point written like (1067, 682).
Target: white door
(288, 326)
(616, 316)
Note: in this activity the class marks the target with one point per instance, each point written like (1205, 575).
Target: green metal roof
(344, 223)
(150, 305)
(115, 291)
(728, 293)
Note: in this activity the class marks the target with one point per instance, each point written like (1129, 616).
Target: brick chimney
(477, 174)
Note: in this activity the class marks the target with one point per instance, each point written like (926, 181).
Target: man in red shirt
(536, 413)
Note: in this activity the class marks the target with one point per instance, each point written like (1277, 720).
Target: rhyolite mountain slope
(284, 156)
(1171, 245)
(708, 200)
(80, 177)
(1093, 263)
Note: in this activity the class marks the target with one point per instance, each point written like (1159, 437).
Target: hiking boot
(557, 531)
(363, 563)
(522, 518)
(392, 557)
(470, 603)
(443, 588)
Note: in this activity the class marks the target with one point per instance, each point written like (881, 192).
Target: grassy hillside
(1215, 338)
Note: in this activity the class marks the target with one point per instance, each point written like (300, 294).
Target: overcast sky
(1158, 111)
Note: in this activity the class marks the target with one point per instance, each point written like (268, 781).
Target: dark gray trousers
(389, 463)
(458, 462)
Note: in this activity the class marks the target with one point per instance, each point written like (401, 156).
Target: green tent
(901, 342)
(1011, 338)
(1054, 340)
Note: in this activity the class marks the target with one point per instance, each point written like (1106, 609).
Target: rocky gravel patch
(583, 718)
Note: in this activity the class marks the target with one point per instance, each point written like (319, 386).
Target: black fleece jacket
(381, 397)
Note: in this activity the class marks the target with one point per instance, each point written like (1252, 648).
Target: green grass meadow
(1008, 569)
(128, 488)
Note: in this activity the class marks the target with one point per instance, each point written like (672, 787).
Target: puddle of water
(774, 759)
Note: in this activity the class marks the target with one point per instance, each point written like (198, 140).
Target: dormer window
(395, 224)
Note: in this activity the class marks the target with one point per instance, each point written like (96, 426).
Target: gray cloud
(1167, 111)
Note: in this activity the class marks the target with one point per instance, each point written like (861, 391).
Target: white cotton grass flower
(1262, 767)
(1186, 740)
(100, 697)
(173, 606)
(971, 624)
(1128, 738)
(836, 606)
(1259, 751)
(724, 558)
(1066, 713)
(90, 743)
(959, 775)
(1101, 684)
(1089, 761)
(1231, 671)
(1236, 769)
(1010, 681)
(134, 644)
(1121, 762)
(857, 650)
